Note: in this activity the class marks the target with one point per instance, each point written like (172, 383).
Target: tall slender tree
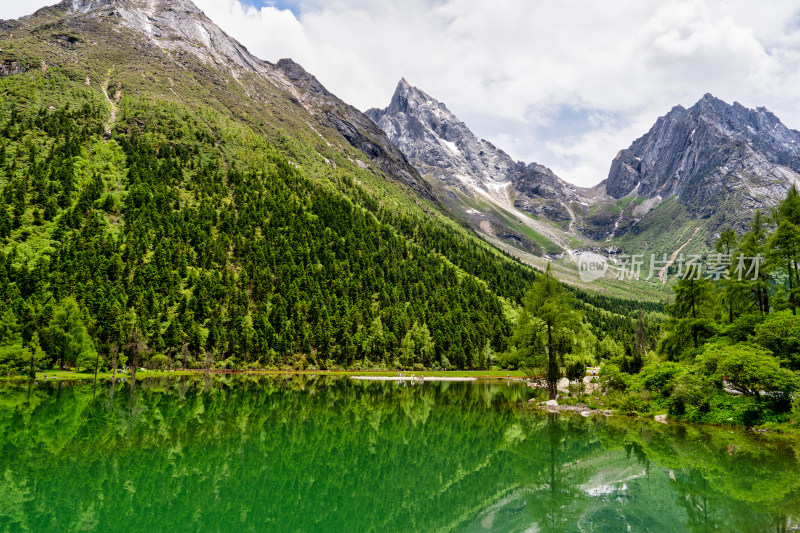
(731, 290)
(784, 250)
(755, 245)
(554, 309)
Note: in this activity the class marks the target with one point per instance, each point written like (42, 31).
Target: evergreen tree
(68, 338)
(731, 289)
(12, 354)
(690, 315)
(417, 346)
(753, 247)
(553, 308)
(784, 250)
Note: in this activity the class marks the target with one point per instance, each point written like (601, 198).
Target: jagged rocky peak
(461, 165)
(136, 12)
(172, 25)
(434, 138)
(737, 117)
(407, 97)
(438, 142)
(707, 152)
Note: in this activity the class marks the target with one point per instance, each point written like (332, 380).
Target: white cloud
(14, 9)
(511, 68)
(566, 84)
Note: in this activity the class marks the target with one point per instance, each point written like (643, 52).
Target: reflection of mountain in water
(338, 455)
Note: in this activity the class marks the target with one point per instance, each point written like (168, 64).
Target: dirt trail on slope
(571, 227)
(662, 274)
(556, 235)
(113, 103)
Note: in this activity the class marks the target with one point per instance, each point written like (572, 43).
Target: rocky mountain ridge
(470, 170)
(719, 161)
(708, 155)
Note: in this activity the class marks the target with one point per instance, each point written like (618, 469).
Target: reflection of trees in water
(720, 480)
(335, 454)
(557, 502)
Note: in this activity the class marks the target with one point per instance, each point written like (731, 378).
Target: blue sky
(294, 7)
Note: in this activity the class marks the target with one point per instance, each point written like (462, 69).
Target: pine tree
(754, 245)
(690, 320)
(554, 308)
(784, 250)
(731, 288)
(68, 338)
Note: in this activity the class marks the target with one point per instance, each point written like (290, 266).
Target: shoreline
(372, 375)
(415, 379)
(389, 376)
(581, 409)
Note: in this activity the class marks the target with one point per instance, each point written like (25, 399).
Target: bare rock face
(11, 68)
(301, 78)
(708, 154)
(353, 125)
(456, 161)
(437, 142)
(172, 24)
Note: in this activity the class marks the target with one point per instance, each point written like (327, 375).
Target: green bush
(158, 362)
(613, 378)
(632, 403)
(576, 370)
(691, 393)
(727, 409)
(743, 327)
(88, 361)
(751, 370)
(659, 378)
(780, 333)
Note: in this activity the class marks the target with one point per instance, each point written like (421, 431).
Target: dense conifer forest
(157, 244)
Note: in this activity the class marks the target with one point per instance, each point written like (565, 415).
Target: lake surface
(322, 454)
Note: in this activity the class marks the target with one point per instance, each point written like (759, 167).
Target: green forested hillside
(160, 210)
(162, 231)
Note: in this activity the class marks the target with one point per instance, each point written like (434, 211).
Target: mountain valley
(675, 187)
